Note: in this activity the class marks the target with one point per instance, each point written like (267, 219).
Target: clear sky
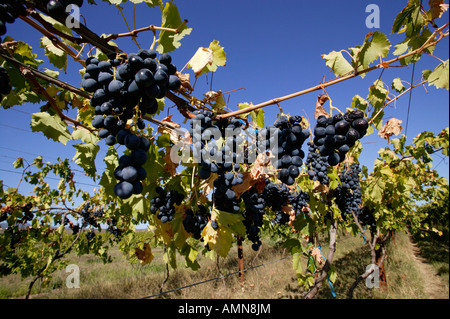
(273, 48)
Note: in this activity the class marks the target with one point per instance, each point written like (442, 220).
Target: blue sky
(273, 48)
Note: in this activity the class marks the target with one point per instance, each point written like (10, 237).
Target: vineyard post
(240, 259)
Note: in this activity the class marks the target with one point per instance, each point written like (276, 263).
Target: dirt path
(433, 285)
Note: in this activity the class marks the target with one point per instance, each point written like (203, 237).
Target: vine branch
(326, 268)
(38, 74)
(40, 89)
(337, 80)
(56, 42)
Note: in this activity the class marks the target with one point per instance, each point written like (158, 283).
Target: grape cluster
(317, 164)
(224, 161)
(205, 147)
(348, 194)
(224, 196)
(123, 91)
(130, 173)
(9, 12)
(299, 200)
(164, 203)
(113, 229)
(57, 8)
(253, 215)
(367, 218)
(28, 215)
(5, 87)
(334, 136)
(195, 221)
(91, 216)
(277, 196)
(291, 137)
(90, 236)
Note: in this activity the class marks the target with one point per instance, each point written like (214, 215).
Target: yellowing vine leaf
(163, 231)
(207, 59)
(145, 255)
(200, 60)
(219, 240)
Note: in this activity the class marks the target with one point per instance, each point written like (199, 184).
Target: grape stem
(134, 33)
(43, 76)
(394, 99)
(86, 34)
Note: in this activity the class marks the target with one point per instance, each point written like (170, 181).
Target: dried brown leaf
(391, 127)
(320, 110)
(171, 129)
(185, 83)
(317, 255)
(257, 174)
(437, 8)
(170, 166)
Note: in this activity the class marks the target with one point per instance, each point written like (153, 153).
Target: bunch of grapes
(90, 236)
(291, 137)
(367, 218)
(204, 133)
(299, 200)
(5, 87)
(130, 172)
(277, 196)
(91, 216)
(334, 136)
(9, 12)
(195, 221)
(348, 194)
(57, 8)
(163, 204)
(123, 91)
(253, 215)
(224, 196)
(317, 165)
(113, 229)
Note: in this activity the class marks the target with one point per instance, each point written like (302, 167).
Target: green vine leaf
(375, 45)
(337, 63)
(52, 127)
(85, 157)
(439, 76)
(398, 85)
(207, 59)
(55, 55)
(169, 41)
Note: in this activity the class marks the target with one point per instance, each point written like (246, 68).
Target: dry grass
(123, 280)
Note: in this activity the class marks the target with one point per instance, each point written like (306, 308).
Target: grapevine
(243, 177)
